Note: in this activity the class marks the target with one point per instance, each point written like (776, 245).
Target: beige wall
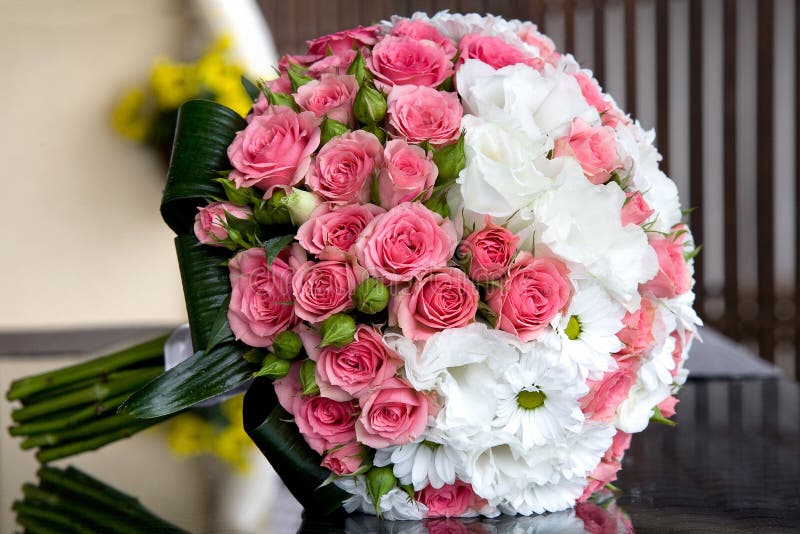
(83, 241)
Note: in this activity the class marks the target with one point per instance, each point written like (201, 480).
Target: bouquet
(451, 262)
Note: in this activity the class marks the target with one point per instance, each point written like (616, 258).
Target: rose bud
(211, 222)
(331, 128)
(300, 205)
(380, 481)
(337, 330)
(287, 345)
(274, 368)
(450, 160)
(308, 381)
(370, 105)
(371, 296)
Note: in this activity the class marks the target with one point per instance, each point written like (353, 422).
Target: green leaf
(688, 256)
(206, 285)
(220, 330)
(659, 418)
(199, 378)
(281, 443)
(251, 88)
(273, 247)
(202, 135)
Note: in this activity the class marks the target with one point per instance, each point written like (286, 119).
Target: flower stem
(35, 512)
(94, 428)
(70, 418)
(120, 382)
(50, 454)
(25, 387)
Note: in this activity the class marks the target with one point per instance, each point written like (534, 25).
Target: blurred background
(88, 263)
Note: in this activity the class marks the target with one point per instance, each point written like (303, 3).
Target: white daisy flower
(420, 463)
(539, 402)
(588, 329)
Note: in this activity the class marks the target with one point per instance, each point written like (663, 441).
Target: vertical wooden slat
(630, 57)
(797, 190)
(696, 143)
(599, 67)
(569, 26)
(662, 81)
(470, 6)
(765, 178)
(730, 229)
(539, 12)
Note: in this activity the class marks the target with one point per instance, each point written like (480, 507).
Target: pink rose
(325, 423)
(408, 61)
(357, 368)
(534, 291)
(620, 444)
(439, 299)
(404, 242)
(604, 473)
(393, 414)
(336, 64)
(288, 389)
(332, 96)
(409, 173)
(494, 52)
(667, 406)
(609, 465)
(274, 149)
(609, 114)
(637, 334)
(547, 48)
(287, 60)
(424, 114)
(489, 251)
(335, 226)
(673, 277)
(422, 30)
(677, 352)
(324, 288)
(345, 460)
(635, 210)
(210, 221)
(344, 167)
(261, 296)
(341, 42)
(595, 148)
(450, 500)
(606, 394)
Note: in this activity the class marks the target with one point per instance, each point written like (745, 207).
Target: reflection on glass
(600, 515)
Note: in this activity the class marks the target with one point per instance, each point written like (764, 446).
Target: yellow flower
(172, 83)
(129, 117)
(190, 434)
(232, 445)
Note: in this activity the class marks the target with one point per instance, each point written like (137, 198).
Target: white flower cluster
(511, 421)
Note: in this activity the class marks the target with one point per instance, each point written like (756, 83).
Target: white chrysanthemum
(539, 401)
(581, 223)
(588, 329)
(421, 463)
(396, 505)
